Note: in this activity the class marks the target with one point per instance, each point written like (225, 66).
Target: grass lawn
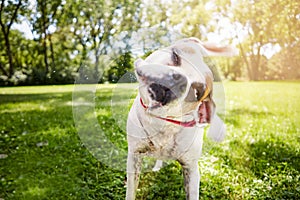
(49, 151)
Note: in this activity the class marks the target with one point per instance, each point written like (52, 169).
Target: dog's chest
(169, 143)
(164, 139)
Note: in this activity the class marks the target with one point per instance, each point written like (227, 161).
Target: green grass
(49, 152)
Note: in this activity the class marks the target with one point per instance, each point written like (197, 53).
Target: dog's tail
(217, 129)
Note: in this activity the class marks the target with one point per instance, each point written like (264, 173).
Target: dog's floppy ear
(207, 114)
(212, 49)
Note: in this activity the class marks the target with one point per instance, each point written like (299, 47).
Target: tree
(69, 35)
(194, 18)
(44, 18)
(266, 25)
(96, 31)
(123, 64)
(66, 35)
(9, 11)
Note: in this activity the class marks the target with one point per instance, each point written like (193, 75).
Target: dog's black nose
(161, 93)
(168, 88)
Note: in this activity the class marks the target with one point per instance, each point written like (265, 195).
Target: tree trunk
(254, 70)
(52, 54)
(9, 55)
(96, 75)
(5, 31)
(255, 65)
(3, 70)
(250, 74)
(45, 56)
(44, 38)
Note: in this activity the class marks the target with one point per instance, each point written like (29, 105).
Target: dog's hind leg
(158, 165)
(134, 163)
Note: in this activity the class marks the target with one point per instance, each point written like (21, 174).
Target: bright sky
(24, 28)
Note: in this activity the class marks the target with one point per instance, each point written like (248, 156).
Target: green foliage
(257, 28)
(268, 23)
(123, 64)
(42, 156)
(67, 35)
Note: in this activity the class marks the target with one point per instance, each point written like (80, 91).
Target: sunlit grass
(42, 155)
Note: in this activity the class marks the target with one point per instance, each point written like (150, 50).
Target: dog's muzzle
(165, 86)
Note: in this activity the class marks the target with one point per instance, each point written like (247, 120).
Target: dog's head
(175, 81)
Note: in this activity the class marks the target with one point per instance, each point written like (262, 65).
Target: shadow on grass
(279, 164)
(19, 98)
(273, 165)
(62, 169)
(270, 154)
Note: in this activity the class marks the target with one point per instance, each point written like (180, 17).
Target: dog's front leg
(133, 172)
(191, 180)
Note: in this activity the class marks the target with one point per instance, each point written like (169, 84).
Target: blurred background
(47, 42)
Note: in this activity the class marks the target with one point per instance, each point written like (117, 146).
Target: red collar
(184, 124)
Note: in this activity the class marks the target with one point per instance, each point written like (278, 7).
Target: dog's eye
(175, 57)
(199, 89)
(196, 92)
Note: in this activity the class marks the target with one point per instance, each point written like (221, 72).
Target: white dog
(173, 105)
